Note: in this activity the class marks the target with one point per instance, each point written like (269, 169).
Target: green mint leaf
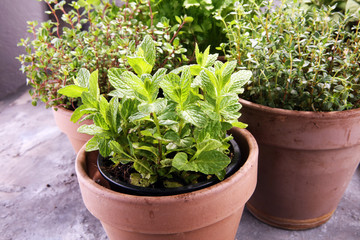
(226, 71)
(185, 85)
(90, 129)
(181, 163)
(92, 144)
(104, 106)
(100, 121)
(237, 81)
(93, 85)
(140, 65)
(211, 162)
(170, 86)
(155, 82)
(80, 111)
(89, 100)
(72, 91)
(121, 88)
(239, 124)
(82, 79)
(208, 145)
(148, 48)
(135, 83)
(194, 115)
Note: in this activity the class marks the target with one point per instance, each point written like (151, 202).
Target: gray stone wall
(13, 17)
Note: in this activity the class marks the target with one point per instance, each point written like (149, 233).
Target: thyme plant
(301, 59)
(171, 140)
(54, 56)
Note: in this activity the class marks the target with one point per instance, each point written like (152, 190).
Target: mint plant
(302, 59)
(55, 55)
(172, 139)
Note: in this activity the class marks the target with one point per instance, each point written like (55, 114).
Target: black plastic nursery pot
(124, 187)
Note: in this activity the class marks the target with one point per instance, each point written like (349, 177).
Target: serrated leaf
(148, 48)
(180, 162)
(77, 114)
(194, 115)
(140, 65)
(227, 70)
(104, 148)
(156, 107)
(208, 145)
(211, 60)
(121, 88)
(104, 106)
(88, 100)
(239, 124)
(171, 136)
(155, 82)
(169, 85)
(82, 78)
(92, 144)
(211, 162)
(237, 81)
(93, 85)
(206, 84)
(100, 121)
(153, 150)
(72, 91)
(185, 85)
(90, 129)
(135, 83)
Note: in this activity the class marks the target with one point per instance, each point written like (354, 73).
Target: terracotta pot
(211, 213)
(306, 161)
(62, 118)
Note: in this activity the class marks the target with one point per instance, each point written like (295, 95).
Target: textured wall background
(13, 17)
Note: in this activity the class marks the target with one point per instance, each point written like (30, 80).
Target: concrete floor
(40, 197)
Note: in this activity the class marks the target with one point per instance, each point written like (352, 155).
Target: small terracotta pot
(62, 118)
(306, 161)
(211, 213)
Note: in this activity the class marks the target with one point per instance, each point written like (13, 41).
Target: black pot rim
(127, 188)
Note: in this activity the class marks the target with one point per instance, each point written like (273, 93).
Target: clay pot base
(289, 224)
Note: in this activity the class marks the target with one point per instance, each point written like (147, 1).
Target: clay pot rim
(301, 114)
(199, 194)
(63, 110)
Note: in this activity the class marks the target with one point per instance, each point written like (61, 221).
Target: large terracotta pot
(62, 118)
(211, 213)
(306, 160)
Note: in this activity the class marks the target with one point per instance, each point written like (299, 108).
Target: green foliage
(171, 138)
(56, 54)
(195, 18)
(302, 59)
(353, 6)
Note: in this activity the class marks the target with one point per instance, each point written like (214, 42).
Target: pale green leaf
(90, 129)
(140, 65)
(239, 124)
(135, 83)
(72, 91)
(82, 78)
(93, 85)
(194, 115)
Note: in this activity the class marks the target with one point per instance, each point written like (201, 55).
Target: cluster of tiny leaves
(171, 138)
(55, 55)
(301, 59)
